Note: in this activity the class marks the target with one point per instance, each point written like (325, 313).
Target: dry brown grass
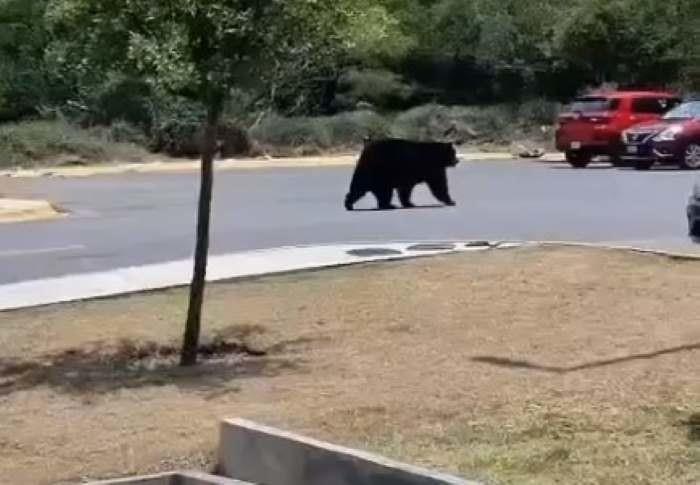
(526, 366)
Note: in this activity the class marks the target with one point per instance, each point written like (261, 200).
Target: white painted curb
(256, 263)
(178, 273)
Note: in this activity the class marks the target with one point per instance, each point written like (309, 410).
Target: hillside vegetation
(496, 70)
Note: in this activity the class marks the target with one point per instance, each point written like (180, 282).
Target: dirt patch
(557, 365)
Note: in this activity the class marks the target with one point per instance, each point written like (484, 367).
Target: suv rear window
(592, 104)
(656, 106)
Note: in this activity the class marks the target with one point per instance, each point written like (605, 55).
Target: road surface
(134, 219)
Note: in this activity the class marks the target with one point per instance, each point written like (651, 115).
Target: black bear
(390, 164)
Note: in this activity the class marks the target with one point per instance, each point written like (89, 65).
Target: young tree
(201, 49)
(23, 84)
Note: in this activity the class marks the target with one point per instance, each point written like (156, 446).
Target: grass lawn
(539, 366)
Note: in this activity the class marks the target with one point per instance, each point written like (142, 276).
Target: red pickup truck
(593, 124)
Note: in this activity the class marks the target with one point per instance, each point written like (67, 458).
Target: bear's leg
(351, 199)
(384, 195)
(405, 195)
(438, 187)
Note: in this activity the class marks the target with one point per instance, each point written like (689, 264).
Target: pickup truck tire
(578, 159)
(643, 164)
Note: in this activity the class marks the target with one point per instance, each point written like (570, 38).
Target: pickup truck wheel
(617, 161)
(578, 159)
(643, 164)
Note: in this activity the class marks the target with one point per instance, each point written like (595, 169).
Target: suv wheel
(691, 157)
(578, 159)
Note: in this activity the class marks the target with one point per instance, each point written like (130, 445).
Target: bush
(436, 122)
(31, 142)
(383, 89)
(276, 131)
(178, 138)
(124, 99)
(350, 128)
(176, 129)
(495, 123)
(22, 90)
(309, 135)
(538, 111)
(500, 124)
(233, 140)
(125, 132)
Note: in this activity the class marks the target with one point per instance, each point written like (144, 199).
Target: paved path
(135, 219)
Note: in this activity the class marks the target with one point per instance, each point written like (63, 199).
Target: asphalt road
(135, 219)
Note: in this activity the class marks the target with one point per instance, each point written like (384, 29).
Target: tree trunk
(190, 345)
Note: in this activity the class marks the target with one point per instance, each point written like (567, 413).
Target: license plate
(575, 145)
(632, 149)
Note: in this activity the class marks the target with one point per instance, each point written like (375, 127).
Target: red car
(593, 124)
(673, 140)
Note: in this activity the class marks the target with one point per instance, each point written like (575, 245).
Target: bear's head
(448, 155)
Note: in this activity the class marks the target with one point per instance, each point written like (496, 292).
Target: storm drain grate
(477, 244)
(432, 247)
(370, 252)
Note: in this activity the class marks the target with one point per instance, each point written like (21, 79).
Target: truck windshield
(594, 104)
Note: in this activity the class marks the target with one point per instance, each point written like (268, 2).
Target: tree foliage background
(397, 54)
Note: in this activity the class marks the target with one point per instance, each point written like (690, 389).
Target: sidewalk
(221, 268)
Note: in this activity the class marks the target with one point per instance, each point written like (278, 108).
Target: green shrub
(176, 129)
(124, 99)
(538, 111)
(484, 124)
(178, 138)
(349, 129)
(233, 140)
(278, 131)
(33, 142)
(22, 90)
(436, 122)
(124, 132)
(383, 89)
(279, 135)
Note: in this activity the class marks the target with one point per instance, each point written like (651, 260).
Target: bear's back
(405, 154)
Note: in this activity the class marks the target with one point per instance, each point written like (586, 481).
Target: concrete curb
(179, 166)
(624, 247)
(259, 263)
(19, 210)
(260, 454)
(221, 268)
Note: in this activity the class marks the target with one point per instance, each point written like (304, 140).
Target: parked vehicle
(693, 212)
(592, 124)
(673, 140)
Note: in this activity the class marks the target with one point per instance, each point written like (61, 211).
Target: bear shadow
(399, 208)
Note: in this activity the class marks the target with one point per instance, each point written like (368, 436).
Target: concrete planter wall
(253, 454)
(260, 454)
